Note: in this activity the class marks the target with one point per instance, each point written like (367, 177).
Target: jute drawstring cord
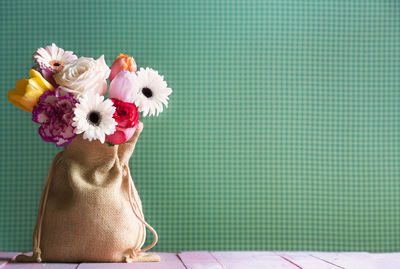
(37, 253)
(140, 218)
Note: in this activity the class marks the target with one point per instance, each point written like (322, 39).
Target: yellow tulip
(28, 91)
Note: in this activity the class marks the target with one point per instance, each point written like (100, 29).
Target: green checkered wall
(283, 130)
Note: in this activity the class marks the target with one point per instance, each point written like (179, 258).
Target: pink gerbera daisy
(53, 58)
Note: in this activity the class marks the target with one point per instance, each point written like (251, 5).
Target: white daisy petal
(152, 92)
(94, 117)
(102, 138)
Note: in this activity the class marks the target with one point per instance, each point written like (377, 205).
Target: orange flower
(123, 62)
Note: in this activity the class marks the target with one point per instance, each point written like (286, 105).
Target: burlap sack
(90, 210)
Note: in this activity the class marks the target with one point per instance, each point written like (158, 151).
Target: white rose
(84, 75)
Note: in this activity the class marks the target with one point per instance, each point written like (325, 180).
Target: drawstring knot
(37, 253)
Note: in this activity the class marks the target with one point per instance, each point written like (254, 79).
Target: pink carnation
(54, 113)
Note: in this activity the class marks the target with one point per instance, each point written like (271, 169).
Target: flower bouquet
(89, 209)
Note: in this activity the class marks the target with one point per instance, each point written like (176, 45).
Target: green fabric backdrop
(283, 130)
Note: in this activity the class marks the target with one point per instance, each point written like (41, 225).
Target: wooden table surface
(235, 260)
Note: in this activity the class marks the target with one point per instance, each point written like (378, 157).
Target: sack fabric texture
(90, 210)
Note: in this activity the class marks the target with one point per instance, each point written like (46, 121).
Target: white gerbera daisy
(94, 117)
(53, 58)
(152, 92)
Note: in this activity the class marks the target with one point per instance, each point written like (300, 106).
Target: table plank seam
(7, 260)
(286, 259)
(219, 262)
(327, 261)
(179, 257)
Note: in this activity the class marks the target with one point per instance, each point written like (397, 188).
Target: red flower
(126, 114)
(127, 117)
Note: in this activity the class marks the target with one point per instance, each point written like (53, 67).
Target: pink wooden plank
(347, 259)
(5, 257)
(199, 259)
(168, 260)
(254, 260)
(15, 265)
(40, 266)
(305, 260)
(386, 260)
(8, 255)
